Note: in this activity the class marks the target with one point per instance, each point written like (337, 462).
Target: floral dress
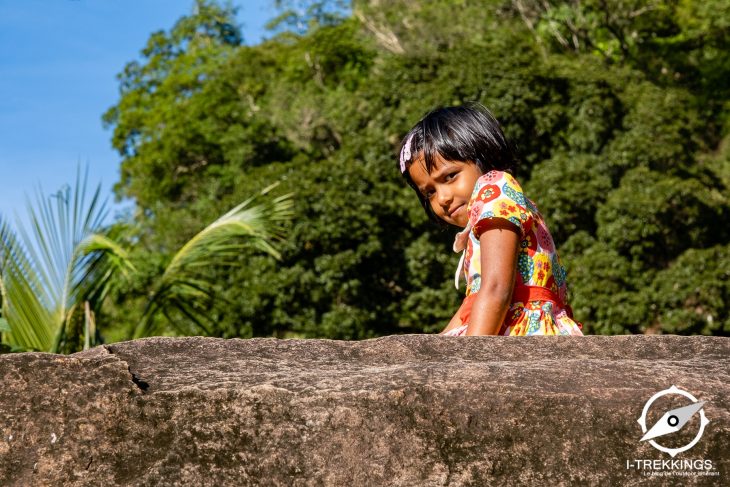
(539, 298)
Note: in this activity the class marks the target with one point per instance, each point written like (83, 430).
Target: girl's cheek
(434, 208)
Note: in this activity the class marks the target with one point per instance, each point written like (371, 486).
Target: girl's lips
(457, 210)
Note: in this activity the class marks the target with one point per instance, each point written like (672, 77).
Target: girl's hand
(499, 247)
(455, 321)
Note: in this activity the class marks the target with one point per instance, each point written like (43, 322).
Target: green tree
(159, 95)
(617, 108)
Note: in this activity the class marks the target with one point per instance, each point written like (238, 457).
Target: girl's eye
(451, 176)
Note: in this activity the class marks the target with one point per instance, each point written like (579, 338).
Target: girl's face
(448, 187)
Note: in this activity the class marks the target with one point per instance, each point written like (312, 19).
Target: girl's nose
(444, 196)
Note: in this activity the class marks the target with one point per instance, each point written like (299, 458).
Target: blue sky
(58, 62)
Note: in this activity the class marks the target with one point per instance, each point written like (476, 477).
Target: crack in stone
(141, 384)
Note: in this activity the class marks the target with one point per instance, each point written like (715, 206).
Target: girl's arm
(499, 247)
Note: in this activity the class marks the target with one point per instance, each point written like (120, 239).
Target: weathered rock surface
(421, 410)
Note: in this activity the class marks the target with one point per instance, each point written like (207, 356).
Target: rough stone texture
(422, 410)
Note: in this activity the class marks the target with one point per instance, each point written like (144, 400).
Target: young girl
(459, 163)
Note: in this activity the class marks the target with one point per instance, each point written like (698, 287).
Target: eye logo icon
(673, 421)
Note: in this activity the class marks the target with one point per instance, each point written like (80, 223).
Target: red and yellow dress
(539, 304)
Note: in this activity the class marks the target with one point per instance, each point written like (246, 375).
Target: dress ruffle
(532, 318)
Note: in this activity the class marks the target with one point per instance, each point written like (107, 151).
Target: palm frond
(248, 225)
(23, 306)
(59, 224)
(61, 262)
(4, 325)
(99, 259)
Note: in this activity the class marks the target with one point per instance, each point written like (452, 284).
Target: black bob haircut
(467, 133)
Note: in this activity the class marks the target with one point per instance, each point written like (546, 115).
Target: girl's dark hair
(467, 133)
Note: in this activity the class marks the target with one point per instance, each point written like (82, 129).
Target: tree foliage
(619, 109)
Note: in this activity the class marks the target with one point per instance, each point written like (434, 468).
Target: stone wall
(415, 410)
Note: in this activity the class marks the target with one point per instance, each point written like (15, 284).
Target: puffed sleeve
(497, 195)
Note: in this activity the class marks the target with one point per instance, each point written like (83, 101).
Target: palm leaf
(100, 260)
(4, 325)
(56, 267)
(26, 313)
(185, 289)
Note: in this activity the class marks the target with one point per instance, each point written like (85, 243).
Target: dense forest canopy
(619, 109)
